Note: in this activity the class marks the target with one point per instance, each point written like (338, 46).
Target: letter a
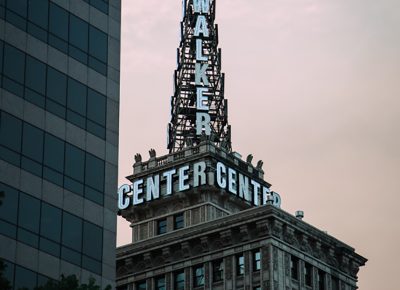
(201, 27)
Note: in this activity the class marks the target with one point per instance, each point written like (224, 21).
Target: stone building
(208, 238)
(204, 218)
(59, 100)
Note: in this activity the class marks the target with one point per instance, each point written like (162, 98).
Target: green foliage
(4, 283)
(71, 283)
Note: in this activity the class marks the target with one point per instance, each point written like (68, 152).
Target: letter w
(201, 6)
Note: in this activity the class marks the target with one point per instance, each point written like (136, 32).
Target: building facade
(204, 218)
(59, 109)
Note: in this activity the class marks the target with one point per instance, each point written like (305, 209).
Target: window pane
(50, 222)
(35, 75)
(32, 144)
(29, 213)
(49, 247)
(198, 276)
(72, 231)
(54, 152)
(74, 162)
(98, 45)
(38, 12)
(96, 110)
(94, 172)
(18, 6)
(161, 226)
(160, 283)
(9, 206)
(78, 32)
(240, 265)
(178, 221)
(8, 229)
(71, 256)
(141, 285)
(24, 278)
(77, 96)
(92, 241)
(14, 62)
(100, 4)
(56, 86)
(91, 265)
(9, 271)
(10, 132)
(28, 238)
(58, 21)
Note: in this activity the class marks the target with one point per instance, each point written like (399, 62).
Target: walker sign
(201, 31)
(181, 179)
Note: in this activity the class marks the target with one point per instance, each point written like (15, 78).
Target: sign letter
(201, 27)
(203, 121)
(123, 200)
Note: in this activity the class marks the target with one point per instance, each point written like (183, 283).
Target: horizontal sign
(194, 175)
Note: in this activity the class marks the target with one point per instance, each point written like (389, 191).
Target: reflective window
(53, 153)
(10, 132)
(78, 33)
(29, 213)
(49, 247)
(178, 221)
(58, 21)
(9, 206)
(72, 231)
(91, 264)
(96, 110)
(38, 12)
(14, 63)
(98, 44)
(160, 283)
(50, 222)
(74, 162)
(179, 280)
(24, 278)
(71, 256)
(240, 265)
(141, 285)
(256, 260)
(198, 276)
(92, 240)
(56, 86)
(102, 5)
(94, 172)
(161, 226)
(32, 144)
(77, 96)
(18, 6)
(35, 75)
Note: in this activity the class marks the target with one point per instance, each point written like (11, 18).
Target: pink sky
(314, 91)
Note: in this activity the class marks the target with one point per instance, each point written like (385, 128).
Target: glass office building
(59, 106)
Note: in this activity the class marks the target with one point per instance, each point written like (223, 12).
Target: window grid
(179, 280)
(257, 260)
(59, 94)
(37, 163)
(51, 24)
(179, 221)
(161, 226)
(218, 270)
(48, 233)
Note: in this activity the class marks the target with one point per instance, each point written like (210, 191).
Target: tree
(71, 283)
(4, 283)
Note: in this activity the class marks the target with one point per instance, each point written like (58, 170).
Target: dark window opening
(160, 283)
(294, 267)
(218, 270)
(321, 280)
(308, 274)
(161, 226)
(179, 221)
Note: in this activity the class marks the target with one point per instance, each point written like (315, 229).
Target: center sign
(180, 179)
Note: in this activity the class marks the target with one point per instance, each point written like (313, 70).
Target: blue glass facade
(58, 140)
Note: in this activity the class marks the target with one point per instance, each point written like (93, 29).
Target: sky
(314, 91)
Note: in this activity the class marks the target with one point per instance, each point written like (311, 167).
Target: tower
(204, 218)
(198, 107)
